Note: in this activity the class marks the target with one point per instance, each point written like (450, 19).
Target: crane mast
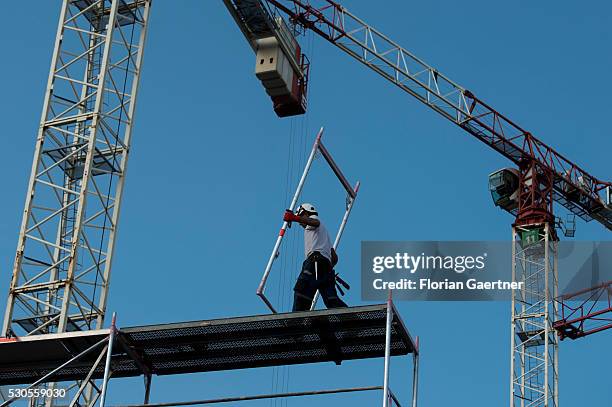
(544, 177)
(65, 247)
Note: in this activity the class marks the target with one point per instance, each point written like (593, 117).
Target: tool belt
(315, 256)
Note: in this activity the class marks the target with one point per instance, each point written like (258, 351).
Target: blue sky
(207, 182)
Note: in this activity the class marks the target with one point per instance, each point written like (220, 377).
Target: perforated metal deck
(220, 344)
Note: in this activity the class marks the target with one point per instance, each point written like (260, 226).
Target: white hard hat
(308, 207)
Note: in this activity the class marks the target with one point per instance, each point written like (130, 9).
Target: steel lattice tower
(534, 360)
(61, 272)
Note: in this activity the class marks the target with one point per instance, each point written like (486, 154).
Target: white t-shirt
(316, 239)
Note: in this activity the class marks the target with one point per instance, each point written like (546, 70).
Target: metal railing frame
(352, 195)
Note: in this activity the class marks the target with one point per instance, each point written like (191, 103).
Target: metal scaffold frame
(317, 147)
(105, 348)
(534, 358)
(373, 331)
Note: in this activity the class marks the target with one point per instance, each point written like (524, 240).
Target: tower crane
(541, 177)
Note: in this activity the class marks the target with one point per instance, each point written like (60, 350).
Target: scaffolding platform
(332, 335)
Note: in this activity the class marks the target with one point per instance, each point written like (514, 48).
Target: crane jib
(574, 188)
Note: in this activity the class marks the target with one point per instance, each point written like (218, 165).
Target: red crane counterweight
(280, 64)
(285, 85)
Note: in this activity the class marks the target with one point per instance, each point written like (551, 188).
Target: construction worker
(317, 270)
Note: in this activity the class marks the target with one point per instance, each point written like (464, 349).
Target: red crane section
(585, 312)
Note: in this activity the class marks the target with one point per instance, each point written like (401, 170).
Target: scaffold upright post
(147, 379)
(512, 321)
(415, 372)
(109, 355)
(387, 350)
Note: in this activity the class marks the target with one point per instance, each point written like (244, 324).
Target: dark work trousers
(317, 274)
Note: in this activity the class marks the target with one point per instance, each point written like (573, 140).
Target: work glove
(290, 217)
